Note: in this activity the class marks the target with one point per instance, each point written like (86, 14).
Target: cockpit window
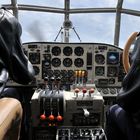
(40, 26)
(50, 3)
(92, 20)
(131, 4)
(92, 3)
(5, 2)
(91, 27)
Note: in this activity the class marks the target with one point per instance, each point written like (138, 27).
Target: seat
(10, 113)
(10, 119)
(13, 64)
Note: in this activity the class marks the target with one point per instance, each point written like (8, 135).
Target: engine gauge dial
(78, 62)
(79, 51)
(99, 59)
(99, 71)
(112, 71)
(67, 51)
(67, 62)
(56, 51)
(34, 58)
(56, 62)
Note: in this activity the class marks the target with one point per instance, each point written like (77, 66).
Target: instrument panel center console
(75, 114)
(73, 81)
(93, 63)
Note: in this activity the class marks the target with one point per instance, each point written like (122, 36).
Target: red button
(59, 118)
(84, 90)
(77, 90)
(91, 90)
(51, 117)
(43, 117)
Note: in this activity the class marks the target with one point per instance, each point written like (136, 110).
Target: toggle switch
(76, 73)
(83, 73)
(79, 73)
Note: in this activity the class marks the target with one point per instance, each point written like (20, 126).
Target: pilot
(123, 118)
(13, 59)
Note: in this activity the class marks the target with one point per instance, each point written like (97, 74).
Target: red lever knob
(77, 90)
(91, 90)
(43, 117)
(84, 90)
(59, 118)
(51, 117)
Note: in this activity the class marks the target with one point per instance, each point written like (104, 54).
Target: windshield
(107, 21)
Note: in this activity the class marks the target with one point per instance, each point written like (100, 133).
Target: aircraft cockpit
(79, 67)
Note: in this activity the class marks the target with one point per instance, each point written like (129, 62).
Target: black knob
(52, 79)
(46, 78)
(58, 79)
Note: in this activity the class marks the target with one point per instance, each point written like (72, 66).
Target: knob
(77, 90)
(43, 117)
(84, 90)
(76, 73)
(79, 73)
(83, 73)
(46, 78)
(58, 79)
(51, 117)
(59, 118)
(86, 112)
(52, 79)
(91, 90)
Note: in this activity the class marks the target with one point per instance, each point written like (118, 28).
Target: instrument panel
(76, 64)
(101, 62)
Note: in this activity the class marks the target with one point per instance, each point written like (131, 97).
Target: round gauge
(79, 51)
(57, 73)
(56, 51)
(112, 90)
(112, 71)
(78, 62)
(67, 51)
(105, 91)
(99, 59)
(67, 62)
(56, 62)
(70, 73)
(49, 73)
(112, 57)
(34, 58)
(36, 69)
(99, 71)
(63, 72)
